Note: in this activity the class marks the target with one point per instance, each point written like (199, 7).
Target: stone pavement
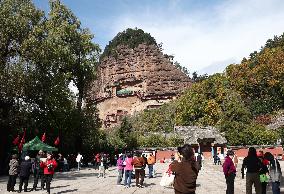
(210, 181)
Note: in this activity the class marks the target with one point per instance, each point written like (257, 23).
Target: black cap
(230, 153)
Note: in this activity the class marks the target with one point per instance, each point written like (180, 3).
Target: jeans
(119, 177)
(253, 179)
(97, 164)
(38, 175)
(102, 171)
(24, 180)
(127, 177)
(263, 187)
(150, 166)
(230, 179)
(48, 178)
(78, 166)
(276, 187)
(65, 167)
(139, 173)
(11, 182)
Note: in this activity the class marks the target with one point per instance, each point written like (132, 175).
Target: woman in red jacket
(229, 170)
(48, 169)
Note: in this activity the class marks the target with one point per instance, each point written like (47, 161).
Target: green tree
(60, 51)
(17, 20)
(129, 37)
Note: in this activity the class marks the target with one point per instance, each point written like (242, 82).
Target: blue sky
(203, 35)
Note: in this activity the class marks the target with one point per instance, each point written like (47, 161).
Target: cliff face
(143, 74)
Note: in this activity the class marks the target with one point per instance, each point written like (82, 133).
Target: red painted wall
(241, 152)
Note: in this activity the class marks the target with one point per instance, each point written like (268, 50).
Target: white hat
(119, 155)
(27, 158)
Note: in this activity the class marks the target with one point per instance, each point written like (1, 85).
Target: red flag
(16, 140)
(56, 142)
(43, 138)
(22, 141)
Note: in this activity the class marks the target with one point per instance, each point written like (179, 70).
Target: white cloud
(215, 37)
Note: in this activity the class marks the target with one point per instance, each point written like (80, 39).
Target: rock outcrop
(134, 80)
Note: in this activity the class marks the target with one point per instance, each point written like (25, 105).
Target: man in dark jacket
(25, 170)
(253, 166)
(229, 170)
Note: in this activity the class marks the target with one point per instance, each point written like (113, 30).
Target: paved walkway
(210, 181)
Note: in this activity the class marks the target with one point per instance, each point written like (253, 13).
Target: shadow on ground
(75, 176)
(68, 191)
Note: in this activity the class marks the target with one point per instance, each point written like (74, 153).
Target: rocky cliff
(144, 75)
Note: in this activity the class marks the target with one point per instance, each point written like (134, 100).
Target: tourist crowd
(259, 169)
(42, 167)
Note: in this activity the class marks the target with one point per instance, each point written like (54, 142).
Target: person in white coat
(78, 160)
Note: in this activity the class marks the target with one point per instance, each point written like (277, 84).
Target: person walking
(139, 164)
(79, 160)
(120, 168)
(199, 160)
(38, 171)
(229, 170)
(65, 165)
(103, 166)
(48, 169)
(128, 170)
(274, 172)
(186, 171)
(25, 171)
(253, 166)
(151, 162)
(97, 161)
(13, 172)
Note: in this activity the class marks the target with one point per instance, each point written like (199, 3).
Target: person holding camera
(185, 169)
(48, 169)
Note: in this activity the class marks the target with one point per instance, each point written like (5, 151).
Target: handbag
(263, 178)
(167, 178)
